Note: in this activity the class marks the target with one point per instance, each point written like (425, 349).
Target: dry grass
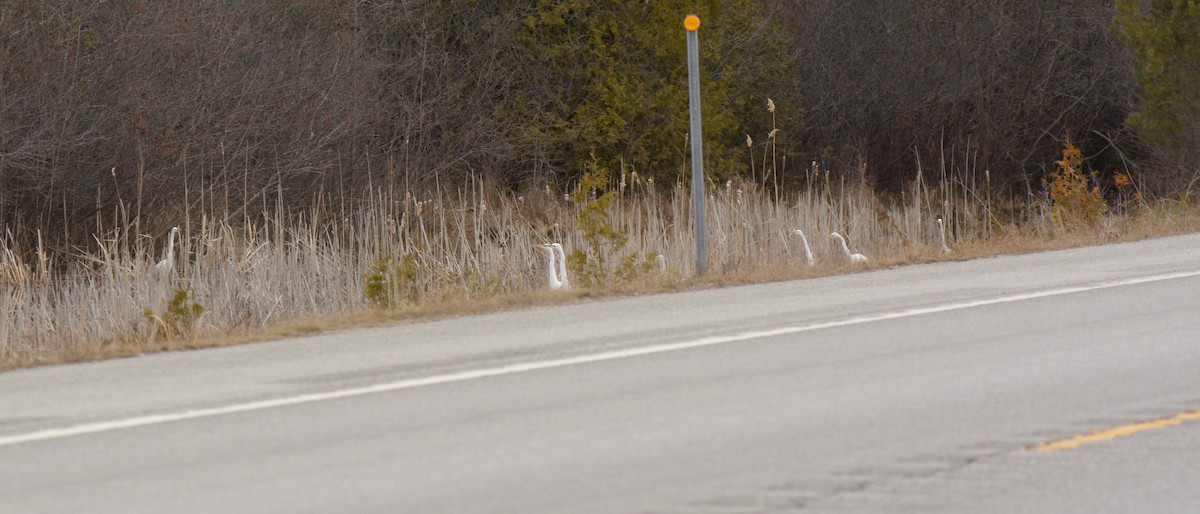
(286, 273)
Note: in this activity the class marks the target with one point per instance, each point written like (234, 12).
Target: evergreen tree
(1165, 37)
(607, 79)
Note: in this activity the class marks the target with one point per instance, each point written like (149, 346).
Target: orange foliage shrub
(1073, 195)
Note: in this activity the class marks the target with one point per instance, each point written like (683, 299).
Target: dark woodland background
(157, 110)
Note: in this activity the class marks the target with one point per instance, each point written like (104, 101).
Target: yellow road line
(1109, 434)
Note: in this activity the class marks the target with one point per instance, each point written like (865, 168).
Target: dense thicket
(154, 110)
(129, 108)
(141, 103)
(994, 84)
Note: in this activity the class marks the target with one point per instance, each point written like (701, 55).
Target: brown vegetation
(401, 257)
(326, 159)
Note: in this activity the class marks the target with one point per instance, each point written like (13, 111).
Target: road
(925, 388)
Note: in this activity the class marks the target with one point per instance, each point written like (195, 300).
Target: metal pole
(692, 23)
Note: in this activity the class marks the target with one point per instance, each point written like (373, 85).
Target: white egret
(852, 257)
(168, 263)
(942, 234)
(562, 265)
(804, 241)
(551, 275)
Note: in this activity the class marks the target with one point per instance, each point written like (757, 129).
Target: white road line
(140, 421)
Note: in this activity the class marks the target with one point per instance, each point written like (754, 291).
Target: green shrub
(602, 241)
(179, 318)
(390, 281)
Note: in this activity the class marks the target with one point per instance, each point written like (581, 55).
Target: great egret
(168, 262)
(942, 234)
(551, 275)
(804, 241)
(562, 265)
(556, 276)
(852, 257)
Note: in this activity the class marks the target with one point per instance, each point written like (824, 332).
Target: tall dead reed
(473, 243)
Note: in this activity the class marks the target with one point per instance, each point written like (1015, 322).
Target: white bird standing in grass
(556, 278)
(562, 265)
(854, 258)
(942, 234)
(168, 263)
(661, 262)
(551, 275)
(804, 241)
